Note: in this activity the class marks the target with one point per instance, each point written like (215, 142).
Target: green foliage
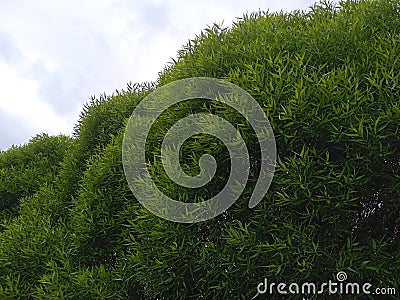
(44, 217)
(27, 245)
(101, 196)
(25, 168)
(100, 120)
(328, 80)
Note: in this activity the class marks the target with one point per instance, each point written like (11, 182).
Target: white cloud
(23, 114)
(54, 55)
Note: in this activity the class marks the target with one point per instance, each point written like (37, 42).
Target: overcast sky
(54, 55)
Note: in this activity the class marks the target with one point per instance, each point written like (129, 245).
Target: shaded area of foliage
(328, 80)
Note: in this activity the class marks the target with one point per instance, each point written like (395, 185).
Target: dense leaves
(328, 80)
(23, 169)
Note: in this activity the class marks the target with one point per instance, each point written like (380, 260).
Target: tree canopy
(328, 81)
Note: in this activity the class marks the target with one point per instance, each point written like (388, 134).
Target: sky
(55, 55)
